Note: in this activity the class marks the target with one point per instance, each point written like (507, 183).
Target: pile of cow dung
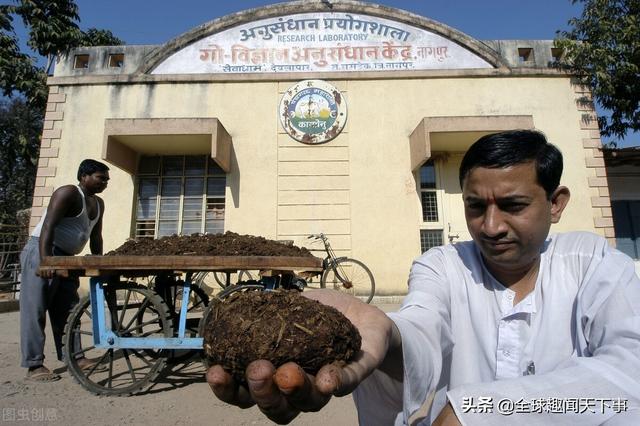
(227, 244)
(279, 326)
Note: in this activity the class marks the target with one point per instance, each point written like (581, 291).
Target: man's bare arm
(61, 204)
(95, 242)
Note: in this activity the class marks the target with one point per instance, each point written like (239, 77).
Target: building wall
(358, 188)
(624, 181)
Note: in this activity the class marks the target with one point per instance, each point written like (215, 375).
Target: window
(428, 196)
(431, 229)
(525, 54)
(556, 53)
(81, 61)
(430, 238)
(116, 60)
(626, 221)
(179, 195)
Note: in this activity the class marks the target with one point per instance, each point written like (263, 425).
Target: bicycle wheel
(313, 280)
(117, 371)
(350, 276)
(198, 301)
(221, 279)
(245, 276)
(242, 275)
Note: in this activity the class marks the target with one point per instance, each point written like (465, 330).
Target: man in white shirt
(514, 327)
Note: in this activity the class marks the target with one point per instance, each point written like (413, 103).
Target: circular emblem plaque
(313, 112)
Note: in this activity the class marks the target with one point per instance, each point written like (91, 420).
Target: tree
(18, 74)
(53, 30)
(52, 26)
(20, 130)
(96, 37)
(603, 50)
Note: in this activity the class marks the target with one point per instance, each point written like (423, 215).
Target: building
(346, 118)
(623, 173)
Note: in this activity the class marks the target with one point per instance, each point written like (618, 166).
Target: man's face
(96, 182)
(508, 215)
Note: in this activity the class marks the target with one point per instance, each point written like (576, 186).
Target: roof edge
(306, 6)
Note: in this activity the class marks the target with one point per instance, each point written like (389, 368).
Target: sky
(159, 21)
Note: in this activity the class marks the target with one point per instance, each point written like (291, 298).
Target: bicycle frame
(331, 261)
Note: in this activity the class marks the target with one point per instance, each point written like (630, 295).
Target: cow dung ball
(279, 326)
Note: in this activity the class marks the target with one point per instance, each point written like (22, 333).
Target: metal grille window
(429, 201)
(179, 195)
(428, 196)
(431, 232)
(430, 238)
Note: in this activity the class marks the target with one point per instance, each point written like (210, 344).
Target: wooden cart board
(148, 265)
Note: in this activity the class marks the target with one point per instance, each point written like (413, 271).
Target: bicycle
(224, 278)
(344, 273)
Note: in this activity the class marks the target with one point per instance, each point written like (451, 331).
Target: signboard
(320, 42)
(313, 112)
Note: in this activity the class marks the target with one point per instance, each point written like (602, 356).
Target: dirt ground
(180, 396)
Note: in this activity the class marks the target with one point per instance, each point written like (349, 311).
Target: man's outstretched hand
(282, 393)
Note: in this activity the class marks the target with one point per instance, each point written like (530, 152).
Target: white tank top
(72, 233)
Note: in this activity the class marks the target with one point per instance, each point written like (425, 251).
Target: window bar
(181, 203)
(203, 212)
(203, 205)
(156, 228)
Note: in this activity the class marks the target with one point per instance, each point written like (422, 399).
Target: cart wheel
(117, 371)
(171, 293)
(211, 311)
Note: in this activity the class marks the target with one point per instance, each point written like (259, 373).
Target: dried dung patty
(279, 326)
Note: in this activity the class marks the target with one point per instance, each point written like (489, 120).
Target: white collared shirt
(513, 331)
(575, 339)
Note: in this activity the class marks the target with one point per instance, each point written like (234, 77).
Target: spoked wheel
(210, 312)
(172, 294)
(243, 275)
(350, 276)
(312, 279)
(117, 371)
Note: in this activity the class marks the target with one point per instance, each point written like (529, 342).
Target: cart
(119, 338)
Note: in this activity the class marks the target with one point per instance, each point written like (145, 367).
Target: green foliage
(53, 30)
(603, 50)
(16, 68)
(52, 26)
(20, 130)
(96, 37)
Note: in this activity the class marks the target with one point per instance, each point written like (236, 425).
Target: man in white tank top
(73, 218)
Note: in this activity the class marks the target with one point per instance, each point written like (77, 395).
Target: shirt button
(506, 353)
